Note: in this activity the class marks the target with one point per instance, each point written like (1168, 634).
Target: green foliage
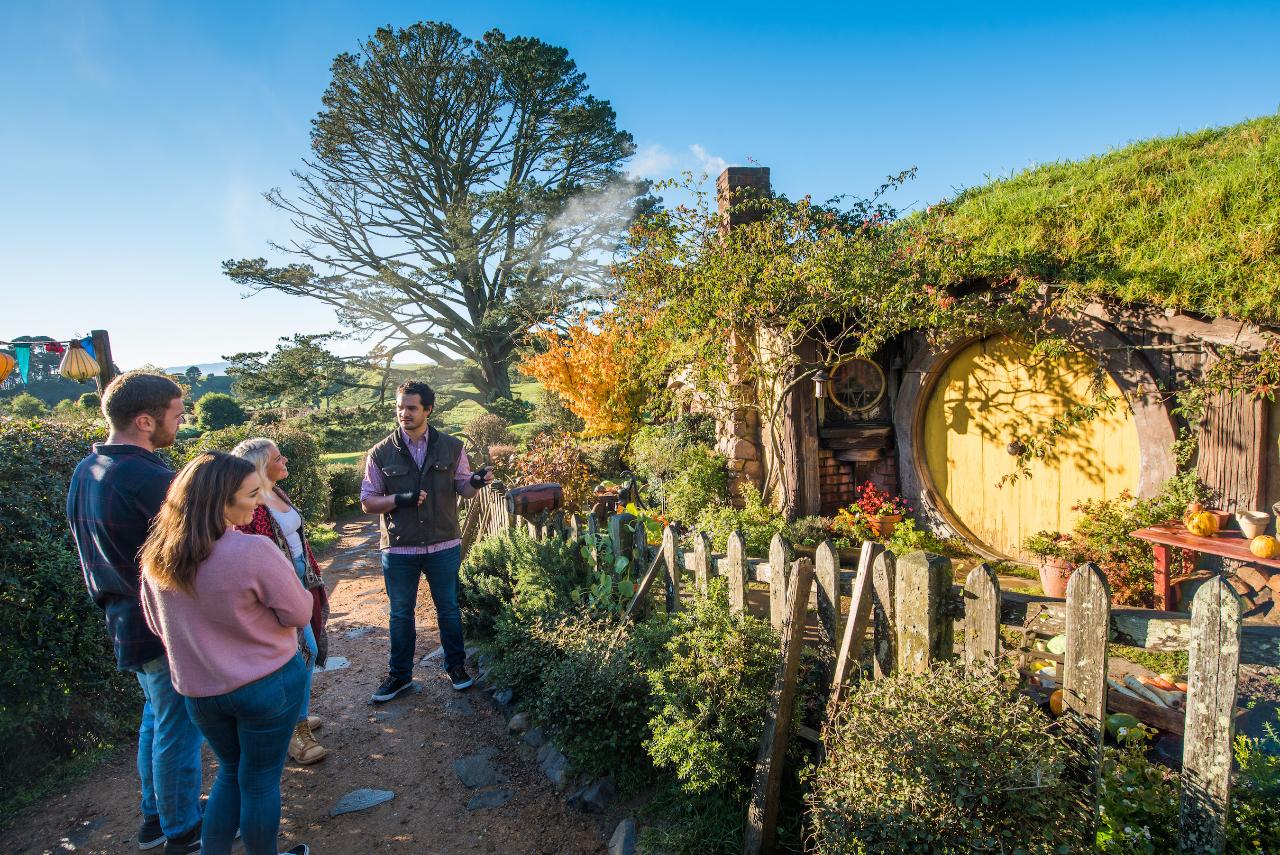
(611, 587)
(488, 429)
(216, 411)
(60, 694)
(908, 537)
(91, 401)
(808, 531)
(344, 487)
(701, 482)
(1180, 222)
(308, 481)
(300, 371)
(1254, 825)
(655, 449)
(512, 572)
(321, 536)
(943, 763)
(756, 520)
(347, 429)
(677, 461)
(710, 695)
(512, 410)
(27, 406)
(551, 410)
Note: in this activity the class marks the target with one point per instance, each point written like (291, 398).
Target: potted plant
(882, 509)
(1054, 550)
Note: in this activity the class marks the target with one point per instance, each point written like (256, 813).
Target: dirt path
(407, 746)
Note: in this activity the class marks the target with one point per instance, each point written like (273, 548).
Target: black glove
(406, 500)
(477, 477)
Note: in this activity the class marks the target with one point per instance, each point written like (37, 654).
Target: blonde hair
(258, 452)
(191, 519)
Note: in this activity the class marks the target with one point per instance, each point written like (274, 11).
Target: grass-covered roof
(1189, 222)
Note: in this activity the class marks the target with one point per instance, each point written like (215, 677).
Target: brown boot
(303, 748)
(315, 721)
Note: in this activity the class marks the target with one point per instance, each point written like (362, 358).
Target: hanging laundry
(87, 344)
(22, 352)
(54, 347)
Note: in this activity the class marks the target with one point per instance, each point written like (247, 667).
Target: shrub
(808, 531)
(343, 429)
(514, 410)
(701, 481)
(552, 410)
(710, 695)
(655, 449)
(27, 406)
(487, 429)
(512, 571)
(344, 487)
(943, 762)
(604, 459)
(91, 401)
(308, 481)
(216, 411)
(60, 693)
(908, 537)
(558, 458)
(756, 520)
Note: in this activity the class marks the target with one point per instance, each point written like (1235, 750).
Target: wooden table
(1167, 537)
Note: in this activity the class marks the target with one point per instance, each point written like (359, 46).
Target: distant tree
(216, 411)
(458, 191)
(66, 407)
(27, 406)
(90, 401)
(193, 375)
(301, 370)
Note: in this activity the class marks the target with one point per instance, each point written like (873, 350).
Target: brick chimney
(738, 184)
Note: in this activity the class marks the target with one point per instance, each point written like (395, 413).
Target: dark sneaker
(300, 849)
(184, 844)
(392, 687)
(149, 834)
(459, 677)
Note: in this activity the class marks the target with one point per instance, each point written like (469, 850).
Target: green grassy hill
(1190, 222)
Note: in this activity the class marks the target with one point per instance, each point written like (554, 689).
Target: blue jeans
(309, 637)
(249, 729)
(400, 573)
(168, 753)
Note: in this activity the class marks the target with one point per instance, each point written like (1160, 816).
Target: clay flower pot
(1223, 518)
(885, 524)
(1054, 575)
(1253, 523)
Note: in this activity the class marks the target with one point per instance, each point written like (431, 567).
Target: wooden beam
(671, 560)
(637, 603)
(762, 813)
(855, 628)
(884, 626)
(925, 628)
(826, 570)
(735, 568)
(981, 618)
(1084, 680)
(779, 556)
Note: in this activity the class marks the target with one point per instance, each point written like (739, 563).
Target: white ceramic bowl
(1253, 523)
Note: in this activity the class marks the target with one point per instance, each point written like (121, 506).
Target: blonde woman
(228, 606)
(279, 520)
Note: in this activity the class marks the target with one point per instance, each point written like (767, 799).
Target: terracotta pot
(1223, 518)
(1054, 575)
(885, 524)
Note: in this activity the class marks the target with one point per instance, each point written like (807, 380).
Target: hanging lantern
(78, 365)
(6, 365)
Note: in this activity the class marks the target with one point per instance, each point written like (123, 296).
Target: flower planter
(885, 524)
(1054, 575)
(1253, 523)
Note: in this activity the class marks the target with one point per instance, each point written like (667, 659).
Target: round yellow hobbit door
(991, 394)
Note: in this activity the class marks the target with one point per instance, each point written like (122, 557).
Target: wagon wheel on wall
(857, 386)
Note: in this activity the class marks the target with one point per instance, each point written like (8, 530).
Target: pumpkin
(1055, 702)
(1263, 546)
(1202, 524)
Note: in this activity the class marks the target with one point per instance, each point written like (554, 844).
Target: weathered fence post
(639, 549)
(1084, 677)
(1212, 672)
(735, 564)
(855, 627)
(826, 571)
(701, 561)
(779, 565)
(921, 591)
(981, 618)
(762, 814)
(620, 533)
(575, 531)
(671, 560)
(638, 600)
(593, 535)
(884, 625)
(471, 525)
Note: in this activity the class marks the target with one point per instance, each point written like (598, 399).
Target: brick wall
(840, 480)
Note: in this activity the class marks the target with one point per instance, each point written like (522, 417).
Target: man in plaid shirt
(115, 492)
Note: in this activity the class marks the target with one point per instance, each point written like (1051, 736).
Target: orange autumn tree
(591, 367)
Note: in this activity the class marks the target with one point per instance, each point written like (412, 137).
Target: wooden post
(593, 535)
(826, 571)
(921, 591)
(639, 549)
(575, 533)
(102, 352)
(620, 537)
(735, 564)
(671, 560)
(701, 561)
(637, 604)
(855, 628)
(884, 625)
(1084, 678)
(1162, 555)
(981, 618)
(762, 814)
(1212, 672)
(779, 564)
(471, 525)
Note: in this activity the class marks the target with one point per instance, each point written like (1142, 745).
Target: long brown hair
(192, 517)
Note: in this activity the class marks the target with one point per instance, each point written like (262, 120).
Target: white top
(290, 523)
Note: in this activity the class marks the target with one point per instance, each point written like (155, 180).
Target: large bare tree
(457, 191)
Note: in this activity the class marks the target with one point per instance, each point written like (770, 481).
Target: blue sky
(137, 137)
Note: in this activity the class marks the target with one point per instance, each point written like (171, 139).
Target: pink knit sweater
(240, 626)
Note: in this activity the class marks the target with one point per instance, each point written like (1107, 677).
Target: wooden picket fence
(907, 608)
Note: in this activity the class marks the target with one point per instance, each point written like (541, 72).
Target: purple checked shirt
(375, 485)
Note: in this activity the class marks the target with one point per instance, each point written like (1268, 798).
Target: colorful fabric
(87, 344)
(22, 353)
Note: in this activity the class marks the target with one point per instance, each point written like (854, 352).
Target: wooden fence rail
(907, 608)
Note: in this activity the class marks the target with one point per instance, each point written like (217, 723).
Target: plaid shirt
(114, 494)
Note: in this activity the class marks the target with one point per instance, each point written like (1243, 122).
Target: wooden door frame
(1128, 369)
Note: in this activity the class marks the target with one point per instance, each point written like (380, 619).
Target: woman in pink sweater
(228, 606)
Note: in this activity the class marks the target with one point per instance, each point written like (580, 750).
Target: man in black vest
(412, 481)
